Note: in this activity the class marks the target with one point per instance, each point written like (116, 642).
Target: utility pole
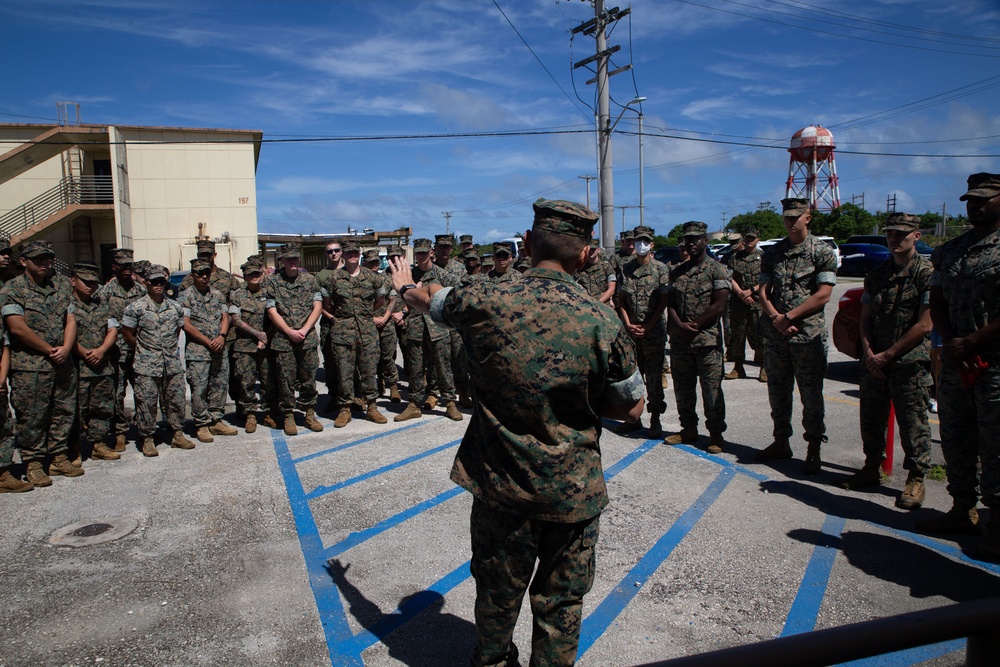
(855, 198)
(588, 179)
(764, 206)
(724, 214)
(890, 203)
(597, 27)
(943, 225)
(447, 221)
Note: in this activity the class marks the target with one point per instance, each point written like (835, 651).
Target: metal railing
(979, 621)
(70, 190)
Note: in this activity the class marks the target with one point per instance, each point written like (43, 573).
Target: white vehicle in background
(825, 239)
(516, 246)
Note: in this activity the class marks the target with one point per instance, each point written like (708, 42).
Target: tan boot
(290, 427)
(687, 436)
(913, 493)
(394, 396)
(762, 377)
(312, 423)
(779, 449)
(204, 434)
(11, 484)
(738, 373)
(222, 428)
(104, 453)
(269, 421)
(251, 423)
(36, 474)
(120, 442)
(180, 442)
(149, 447)
(431, 402)
(61, 465)
(412, 411)
(452, 413)
(343, 418)
(716, 443)
(373, 415)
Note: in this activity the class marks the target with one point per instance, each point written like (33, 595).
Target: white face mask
(643, 247)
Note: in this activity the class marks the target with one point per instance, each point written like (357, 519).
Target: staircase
(72, 195)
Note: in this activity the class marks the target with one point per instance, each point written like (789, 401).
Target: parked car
(858, 259)
(667, 254)
(875, 239)
(173, 288)
(830, 241)
(847, 323)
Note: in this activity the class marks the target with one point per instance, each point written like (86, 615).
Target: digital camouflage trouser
(387, 371)
(45, 405)
(699, 364)
(743, 327)
(168, 391)
(649, 355)
(95, 404)
(251, 366)
(433, 358)
(209, 381)
(788, 364)
(296, 369)
(7, 439)
(356, 356)
(907, 387)
(124, 375)
(505, 548)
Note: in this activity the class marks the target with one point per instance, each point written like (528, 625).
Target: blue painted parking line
(355, 443)
(805, 608)
(949, 550)
(909, 657)
(725, 463)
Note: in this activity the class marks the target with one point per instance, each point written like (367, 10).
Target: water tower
(812, 171)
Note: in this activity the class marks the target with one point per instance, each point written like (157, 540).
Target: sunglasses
(158, 282)
(330, 251)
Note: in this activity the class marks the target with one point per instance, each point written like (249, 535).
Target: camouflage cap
(628, 234)
(444, 239)
(31, 249)
(122, 256)
(249, 268)
(370, 255)
(902, 222)
(257, 260)
(4, 241)
(694, 228)
(422, 245)
(643, 232)
(465, 238)
(87, 269)
(487, 260)
(522, 264)
(395, 251)
(290, 250)
(350, 246)
(501, 247)
(983, 185)
(470, 255)
(140, 267)
(155, 271)
(564, 217)
(200, 264)
(794, 206)
(206, 246)
(751, 232)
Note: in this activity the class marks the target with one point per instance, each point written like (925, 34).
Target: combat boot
(869, 475)
(269, 421)
(11, 484)
(373, 415)
(431, 402)
(251, 423)
(956, 520)
(412, 411)
(779, 449)
(738, 373)
(716, 443)
(359, 404)
(120, 442)
(343, 417)
(989, 546)
(913, 493)
(180, 442)
(61, 465)
(627, 427)
(290, 427)
(687, 436)
(813, 463)
(762, 377)
(222, 428)
(452, 413)
(655, 430)
(36, 474)
(104, 453)
(312, 423)
(204, 434)
(149, 447)
(394, 396)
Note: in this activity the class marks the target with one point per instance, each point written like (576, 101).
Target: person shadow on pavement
(417, 634)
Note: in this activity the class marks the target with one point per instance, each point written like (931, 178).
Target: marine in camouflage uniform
(699, 288)
(472, 263)
(251, 353)
(152, 325)
(620, 257)
(350, 294)
(502, 271)
(454, 271)
(293, 305)
(9, 268)
(597, 277)
(547, 362)
(37, 308)
(8, 483)
(640, 296)
(797, 276)
(96, 333)
(334, 260)
(744, 307)
(388, 375)
(206, 325)
(895, 360)
(124, 288)
(965, 306)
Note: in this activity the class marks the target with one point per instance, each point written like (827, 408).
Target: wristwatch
(402, 290)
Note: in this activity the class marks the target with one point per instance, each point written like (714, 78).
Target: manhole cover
(96, 531)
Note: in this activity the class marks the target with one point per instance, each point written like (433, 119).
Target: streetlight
(638, 100)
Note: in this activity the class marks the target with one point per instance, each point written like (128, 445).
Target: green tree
(767, 223)
(843, 222)
(671, 240)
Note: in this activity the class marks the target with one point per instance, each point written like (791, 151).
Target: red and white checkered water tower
(812, 171)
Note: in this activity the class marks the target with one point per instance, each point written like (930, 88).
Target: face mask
(643, 247)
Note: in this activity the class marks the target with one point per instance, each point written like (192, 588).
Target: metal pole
(606, 186)
(642, 201)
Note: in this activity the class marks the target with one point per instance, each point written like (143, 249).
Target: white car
(826, 239)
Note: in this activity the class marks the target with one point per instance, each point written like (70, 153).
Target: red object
(976, 366)
(847, 323)
(890, 437)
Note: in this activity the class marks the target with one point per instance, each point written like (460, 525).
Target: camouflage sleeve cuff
(380, 292)
(324, 292)
(70, 309)
(866, 299)
(925, 298)
(186, 312)
(270, 303)
(722, 284)
(234, 310)
(936, 280)
(437, 306)
(129, 322)
(826, 278)
(12, 309)
(317, 297)
(113, 323)
(612, 278)
(625, 392)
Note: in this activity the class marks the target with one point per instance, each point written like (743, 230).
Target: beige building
(91, 188)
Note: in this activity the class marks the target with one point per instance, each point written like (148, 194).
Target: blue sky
(887, 76)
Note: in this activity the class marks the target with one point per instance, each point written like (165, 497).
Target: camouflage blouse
(156, 325)
(692, 284)
(640, 290)
(92, 323)
(896, 295)
(793, 273)
(44, 308)
(293, 298)
(206, 312)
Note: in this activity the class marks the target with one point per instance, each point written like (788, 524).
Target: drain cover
(96, 531)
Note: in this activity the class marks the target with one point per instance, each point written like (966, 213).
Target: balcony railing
(70, 190)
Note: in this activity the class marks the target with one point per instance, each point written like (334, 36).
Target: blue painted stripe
(331, 610)
(354, 443)
(612, 606)
(911, 656)
(323, 490)
(805, 608)
(725, 463)
(390, 622)
(629, 459)
(942, 548)
(354, 539)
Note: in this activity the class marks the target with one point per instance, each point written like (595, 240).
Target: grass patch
(937, 473)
